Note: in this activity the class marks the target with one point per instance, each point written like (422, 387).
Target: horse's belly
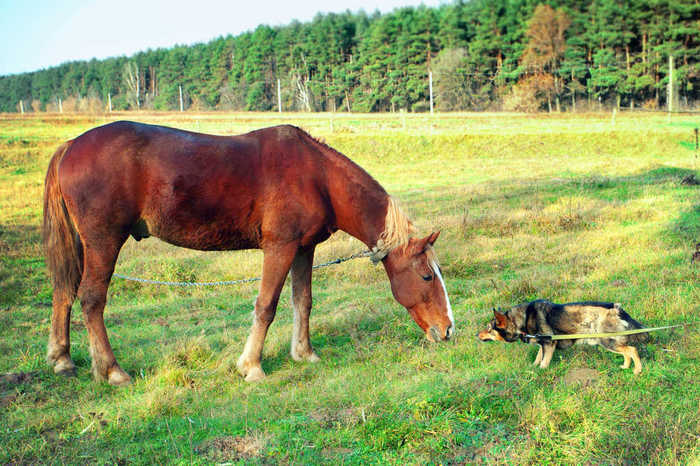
(212, 243)
(198, 235)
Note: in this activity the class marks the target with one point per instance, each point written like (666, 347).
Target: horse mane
(322, 142)
(397, 228)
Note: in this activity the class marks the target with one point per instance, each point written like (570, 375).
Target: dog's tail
(632, 325)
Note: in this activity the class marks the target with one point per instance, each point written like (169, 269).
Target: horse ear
(501, 319)
(433, 237)
(422, 244)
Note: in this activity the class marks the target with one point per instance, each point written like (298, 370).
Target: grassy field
(559, 207)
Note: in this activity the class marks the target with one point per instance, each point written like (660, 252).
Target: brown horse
(277, 189)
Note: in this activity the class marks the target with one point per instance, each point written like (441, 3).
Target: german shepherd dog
(547, 318)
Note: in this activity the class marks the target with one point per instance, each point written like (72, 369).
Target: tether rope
(339, 260)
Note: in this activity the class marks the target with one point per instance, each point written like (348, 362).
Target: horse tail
(63, 246)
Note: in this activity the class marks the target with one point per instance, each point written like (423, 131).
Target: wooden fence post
(430, 79)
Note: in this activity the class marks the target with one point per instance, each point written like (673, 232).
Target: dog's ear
(501, 319)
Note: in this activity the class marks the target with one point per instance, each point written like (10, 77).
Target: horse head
(417, 284)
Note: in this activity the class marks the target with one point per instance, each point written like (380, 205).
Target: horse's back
(194, 190)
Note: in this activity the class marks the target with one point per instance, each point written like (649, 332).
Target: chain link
(339, 260)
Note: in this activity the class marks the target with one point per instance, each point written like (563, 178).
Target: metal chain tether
(234, 282)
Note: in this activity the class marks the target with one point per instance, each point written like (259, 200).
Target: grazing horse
(277, 189)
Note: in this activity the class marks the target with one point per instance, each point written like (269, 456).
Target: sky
(39, 34)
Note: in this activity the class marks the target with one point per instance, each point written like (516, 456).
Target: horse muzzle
(434, 334)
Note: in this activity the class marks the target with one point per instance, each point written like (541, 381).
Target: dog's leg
(626, 362)
(538, 358)
(547, 356)
(630, 352)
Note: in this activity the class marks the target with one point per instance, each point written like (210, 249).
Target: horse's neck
(359, 202)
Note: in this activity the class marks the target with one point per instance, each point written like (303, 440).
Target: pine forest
(484, 55)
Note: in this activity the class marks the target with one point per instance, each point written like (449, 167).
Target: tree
(545, 48)
(449, 71)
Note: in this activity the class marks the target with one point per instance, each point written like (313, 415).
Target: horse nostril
(449, 332)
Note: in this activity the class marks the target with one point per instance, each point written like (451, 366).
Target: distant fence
(652, 110)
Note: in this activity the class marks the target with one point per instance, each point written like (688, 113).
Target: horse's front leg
(301, 301)
(276, 263)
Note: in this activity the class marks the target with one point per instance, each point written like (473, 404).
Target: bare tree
(131, 77)
(303, 93)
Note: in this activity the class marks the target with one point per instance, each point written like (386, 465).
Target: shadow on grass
(686, 228)
(619, 188)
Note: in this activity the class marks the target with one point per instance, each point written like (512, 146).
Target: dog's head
(501, 328)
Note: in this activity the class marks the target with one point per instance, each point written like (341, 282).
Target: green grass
(560, 207)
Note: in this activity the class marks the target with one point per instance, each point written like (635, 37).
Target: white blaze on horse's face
(436, 269)
(417, 283)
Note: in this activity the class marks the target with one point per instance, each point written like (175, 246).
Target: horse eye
(427, 278)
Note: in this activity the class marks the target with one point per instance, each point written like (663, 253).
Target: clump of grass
(566, 214)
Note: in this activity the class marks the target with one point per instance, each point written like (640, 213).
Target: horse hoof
(255, 374)
(65, 368)
(313, 357)
(310, 357)
(251, 372)
(118, 378)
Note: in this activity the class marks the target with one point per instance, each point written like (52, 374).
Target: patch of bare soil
(8, 380)
(581, 376)
(6, 400)
(230, 448)
(331, 418)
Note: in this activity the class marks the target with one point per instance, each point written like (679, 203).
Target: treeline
(483, 55)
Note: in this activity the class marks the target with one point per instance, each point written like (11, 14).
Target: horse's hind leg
(301, 302)
(99, 265)
(58, 354)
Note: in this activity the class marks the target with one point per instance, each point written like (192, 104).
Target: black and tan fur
(547, 318)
